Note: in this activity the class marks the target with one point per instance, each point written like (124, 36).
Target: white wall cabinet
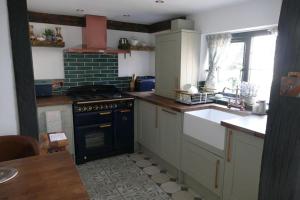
(170, 128)
(67, 122)
(176, 61)
(242, 166)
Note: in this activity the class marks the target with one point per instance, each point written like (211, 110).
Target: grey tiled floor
(131, 177)
(119, 178)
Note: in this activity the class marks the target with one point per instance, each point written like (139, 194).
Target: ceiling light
(159, 1)
(79, 10)
(126, 15)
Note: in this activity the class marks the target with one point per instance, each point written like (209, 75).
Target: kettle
(260, 108)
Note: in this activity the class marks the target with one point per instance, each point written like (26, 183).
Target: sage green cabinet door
(169, 133)
(167, 62)
(148, 126)
(205, 167)
(242, 166)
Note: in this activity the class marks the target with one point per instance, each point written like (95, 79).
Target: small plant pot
(49, 37)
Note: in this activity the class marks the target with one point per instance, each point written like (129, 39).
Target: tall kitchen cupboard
(176, 61)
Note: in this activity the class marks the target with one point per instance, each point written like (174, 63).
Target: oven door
(93, 141)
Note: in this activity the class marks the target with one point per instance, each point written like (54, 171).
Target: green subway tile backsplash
(90, 69)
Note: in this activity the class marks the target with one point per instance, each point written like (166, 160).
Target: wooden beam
(125, 26)
(23, 67)
(162, 26)
(280, 172)
(113, 25)
(56, 19)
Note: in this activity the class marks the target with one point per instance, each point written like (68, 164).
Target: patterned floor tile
(143, 163)
(183, 195)
(171, 187)
(152, 170)
(127, 177)
(160, 178)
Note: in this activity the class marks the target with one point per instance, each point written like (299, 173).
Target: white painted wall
(140, 63)
(252, 15)
(48, 62)
(8, 103)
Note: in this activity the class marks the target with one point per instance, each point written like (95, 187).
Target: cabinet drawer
(206, 168)
(83, 119)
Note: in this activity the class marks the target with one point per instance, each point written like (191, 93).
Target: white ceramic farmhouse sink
(204, 125)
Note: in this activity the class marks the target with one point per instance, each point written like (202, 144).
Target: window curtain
(217, 46)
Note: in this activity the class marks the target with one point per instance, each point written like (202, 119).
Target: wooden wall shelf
(47, 44)
(141, 48)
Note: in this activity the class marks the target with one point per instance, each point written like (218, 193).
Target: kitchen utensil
(124, 44)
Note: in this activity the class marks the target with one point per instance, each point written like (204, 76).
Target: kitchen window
(250, 58)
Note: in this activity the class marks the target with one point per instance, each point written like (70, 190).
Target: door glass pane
(262, 63)
(94, 140)
(229, 74)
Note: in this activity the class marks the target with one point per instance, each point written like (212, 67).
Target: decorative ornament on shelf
(49, 34)
(48, 38)
(58, 36)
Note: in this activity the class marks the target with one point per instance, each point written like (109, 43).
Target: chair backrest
(15, 146)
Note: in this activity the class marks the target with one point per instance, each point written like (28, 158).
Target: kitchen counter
(171, 103)
(53, 101)
(248, 123)
(252, 124)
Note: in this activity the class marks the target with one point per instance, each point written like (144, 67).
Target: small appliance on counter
(260, 108)
(145, 83)
(185, 97)
(43, 90)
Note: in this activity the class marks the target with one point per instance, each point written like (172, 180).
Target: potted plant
(48, 33)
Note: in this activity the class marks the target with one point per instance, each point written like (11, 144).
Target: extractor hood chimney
(94, 37)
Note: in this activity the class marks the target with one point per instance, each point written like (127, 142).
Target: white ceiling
(141, 11)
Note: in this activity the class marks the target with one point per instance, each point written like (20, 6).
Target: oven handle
(125, 111)
(105, 113)
(105, 125)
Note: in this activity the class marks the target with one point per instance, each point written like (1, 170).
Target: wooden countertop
(170, 103)
(253, 124)
(51, 176)
(247, 122)
(53, 101)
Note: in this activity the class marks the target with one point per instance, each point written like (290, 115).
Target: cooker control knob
(79, 109)
(95, 108)
(101, 107)
(106, 106)
(115, 105)
(110, 106)
(90, 108)
(130, 104)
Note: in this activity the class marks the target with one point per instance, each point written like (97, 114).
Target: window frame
(246, 38)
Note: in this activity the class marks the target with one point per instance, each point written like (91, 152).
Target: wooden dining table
(51, 176)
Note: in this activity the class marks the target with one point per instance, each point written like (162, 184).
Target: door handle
(156, 117)
(170, 112)
(217, 174)
(104, 113)
(229, 146)
(105, 125)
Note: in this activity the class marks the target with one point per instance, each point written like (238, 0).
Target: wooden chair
(15, 146)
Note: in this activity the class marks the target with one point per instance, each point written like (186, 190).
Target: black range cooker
(103, 122)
